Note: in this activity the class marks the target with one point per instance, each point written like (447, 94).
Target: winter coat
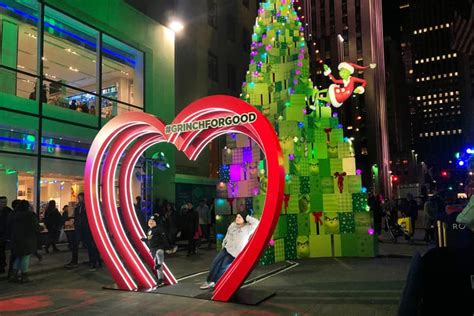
(190, 223)
(53, 219)
(24, 229)
(157, 238)
(80, 217)
(5, 214)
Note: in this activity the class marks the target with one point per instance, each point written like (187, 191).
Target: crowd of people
(423, 210)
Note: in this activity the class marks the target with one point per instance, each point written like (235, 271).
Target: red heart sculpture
(124, 139)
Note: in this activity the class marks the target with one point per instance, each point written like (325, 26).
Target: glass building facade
(61, 80)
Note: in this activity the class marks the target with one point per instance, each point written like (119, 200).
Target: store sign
(123, 253)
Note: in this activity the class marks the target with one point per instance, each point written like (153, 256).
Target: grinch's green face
(263, 184)
(314, 168)
(332, 151)
(302, 247)
(331, 223)
(303, 204)
(344, 73)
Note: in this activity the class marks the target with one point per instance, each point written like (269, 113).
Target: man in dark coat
(53, 222)
(5, 212)
(190, 227)
(23, 236)
(83, 233)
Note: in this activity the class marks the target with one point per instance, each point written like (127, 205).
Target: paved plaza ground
(319, 286)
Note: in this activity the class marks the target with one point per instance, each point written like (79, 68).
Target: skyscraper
(351, 30)
(435, 72)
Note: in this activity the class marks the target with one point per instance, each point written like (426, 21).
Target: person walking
(5, 213)
(82, 233)
(431, 211)
(158, 243)
(237, 236)
(204, 221)
(191, 227)
(375, 206)
(53, 222)
(412, 212)
(24, 227)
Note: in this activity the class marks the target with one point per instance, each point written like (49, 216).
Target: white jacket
(238, 236)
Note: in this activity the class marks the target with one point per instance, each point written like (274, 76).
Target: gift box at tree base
(325, 212)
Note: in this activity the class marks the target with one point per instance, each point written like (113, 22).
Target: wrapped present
(320, 246)
(367, 245)
(347, 222)
(303, 167)
(331, 222)
(292, 223)
(294, 113)
(327, 185)
(304, 185)
(332, 151)
(321, 151)
(320, 136)
(353, 184)
(337, 246)
(335, 165)
(325, 168)
(281, 228)
(330, 203)
(293, 205)
(231, 140)
(290, 249)
(326, 111)
(316, 202)
(289, 128)
(279, 249)
(344, 201)
(236, 172)
(336, 136)
(349, 165)
(302, 247)
(349, 245)
(345, 150)
(303, 223)
(268, 256)
(227, 156)
(316, 223)
(363, 221)
(334, 122)
(287, 146)
(359, 202)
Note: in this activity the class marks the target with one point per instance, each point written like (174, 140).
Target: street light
(176, 26)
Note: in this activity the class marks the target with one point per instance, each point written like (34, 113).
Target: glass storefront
(52, 107)
(84, 70)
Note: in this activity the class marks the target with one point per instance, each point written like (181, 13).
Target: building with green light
(66, 69)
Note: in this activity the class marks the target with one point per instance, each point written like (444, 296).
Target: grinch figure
(341, 89)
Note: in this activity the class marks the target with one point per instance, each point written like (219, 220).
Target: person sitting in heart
(237, 236)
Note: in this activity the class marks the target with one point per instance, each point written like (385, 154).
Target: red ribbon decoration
(340, 180)
(317, 217)
(286, 199)
(328, 133)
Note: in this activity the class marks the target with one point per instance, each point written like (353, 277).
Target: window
(122, 75)
(230, 21)
(18, 47)
(212, 67)
(212, 13)
(231, 77)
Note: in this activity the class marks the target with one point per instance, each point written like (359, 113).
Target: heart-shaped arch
(123, 140)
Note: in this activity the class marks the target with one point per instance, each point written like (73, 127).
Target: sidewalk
(51, 261)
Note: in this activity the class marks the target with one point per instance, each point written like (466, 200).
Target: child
(157, 242)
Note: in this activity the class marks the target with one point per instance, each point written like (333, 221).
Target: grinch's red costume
(341, 90)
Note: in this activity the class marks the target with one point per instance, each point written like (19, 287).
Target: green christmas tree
(325, 210)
